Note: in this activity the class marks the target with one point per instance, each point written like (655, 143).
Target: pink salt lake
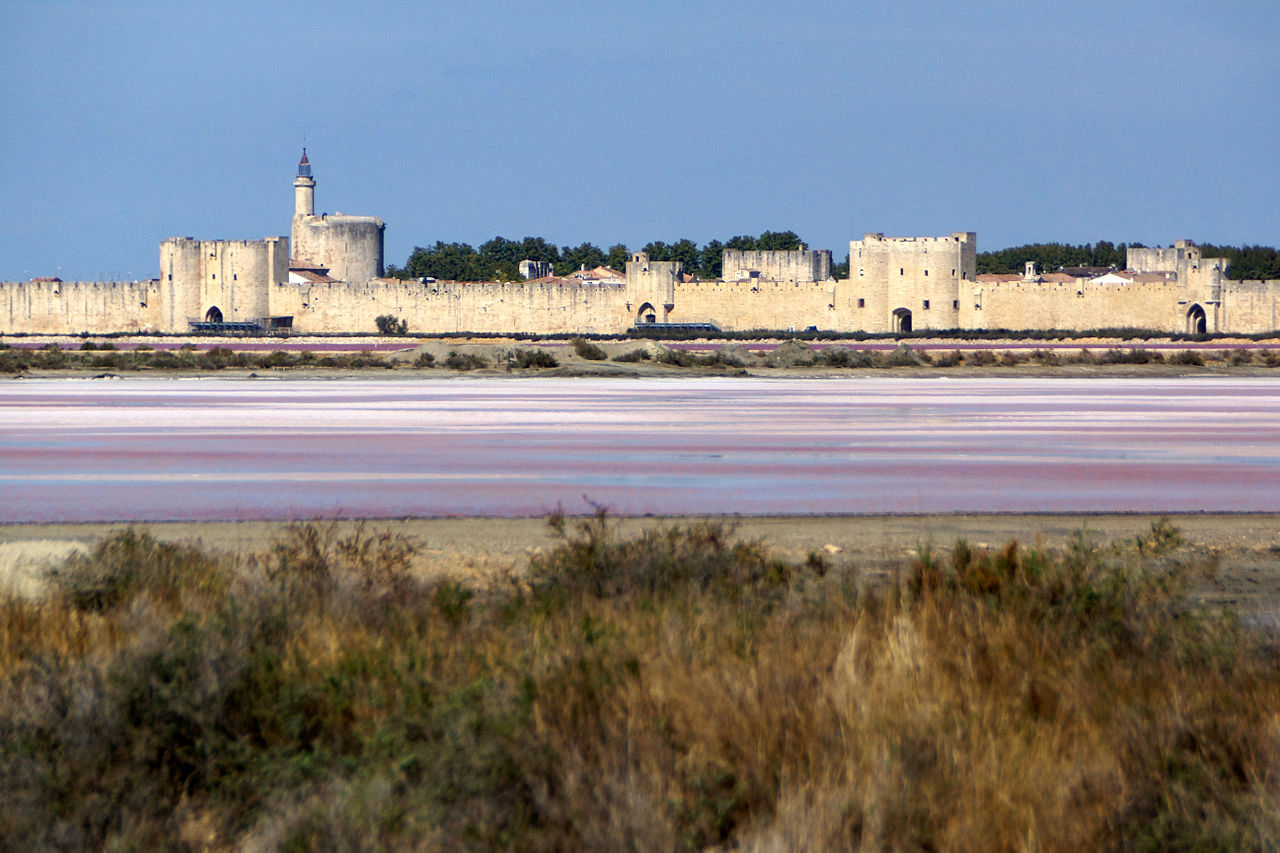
(151, 450)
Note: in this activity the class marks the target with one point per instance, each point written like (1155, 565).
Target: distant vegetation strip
(790, 354)
(499, 259)
(682, 689)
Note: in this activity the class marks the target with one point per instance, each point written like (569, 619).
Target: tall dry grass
(679, 690)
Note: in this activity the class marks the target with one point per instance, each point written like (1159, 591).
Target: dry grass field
(645, 685)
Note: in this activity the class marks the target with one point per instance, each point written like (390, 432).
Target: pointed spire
(304, 165)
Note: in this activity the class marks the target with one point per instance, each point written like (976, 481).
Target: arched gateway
(902, 320)
(1197, 324)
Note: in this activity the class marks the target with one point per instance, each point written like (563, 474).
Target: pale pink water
(141, 449)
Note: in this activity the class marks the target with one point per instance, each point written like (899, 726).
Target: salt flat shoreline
(1244, 546)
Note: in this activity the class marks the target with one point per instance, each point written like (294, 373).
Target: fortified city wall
(330, 282)
(757, 304)
(72, 307)
(559, 307)
(1076, 305)
(1251, 305)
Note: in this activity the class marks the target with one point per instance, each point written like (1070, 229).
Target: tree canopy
(499, 259)
(1051, 257)
(1247, 262)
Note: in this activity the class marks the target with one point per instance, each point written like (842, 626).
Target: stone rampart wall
(757, 304)
(1250, 306)
(1077, 305)
(72, 307)
(439, 307)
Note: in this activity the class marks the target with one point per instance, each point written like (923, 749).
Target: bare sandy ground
(1245, 547)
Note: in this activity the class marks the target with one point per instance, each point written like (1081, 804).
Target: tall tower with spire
(304, 189)
(348, 247)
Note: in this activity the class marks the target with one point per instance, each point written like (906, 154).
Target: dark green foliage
(585, 349)
(128, 563)
(633, 356)
(499, 259)
(523, 358)
(1186, 357)
(1051, 257)
(464, 361)
(842, 357)
(424, 359)
(1135, 355)
(593, 560)
(1247, 262)
(904, 356)
(389, 324)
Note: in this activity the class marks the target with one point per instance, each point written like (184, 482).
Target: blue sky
(1025, 120)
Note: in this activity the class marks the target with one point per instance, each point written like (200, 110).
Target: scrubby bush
(980, 358)
(592, 560)
(949, 359)
(1133, 355)
(903, 356)
(842, 357)
(1239, 356)
(522, 359)
(389, 324)
(424, 359)
(678, 689)
(50, 356)
(583, 348)
(464, 361)
(1186, 357)
(14, 361)
(633, 356)
(217, 358)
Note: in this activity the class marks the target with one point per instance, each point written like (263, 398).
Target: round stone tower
(349, 247)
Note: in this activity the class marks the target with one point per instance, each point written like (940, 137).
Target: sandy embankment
(1246, 547)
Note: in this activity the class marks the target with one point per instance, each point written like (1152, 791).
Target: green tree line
(499, 259)
(1247, 262)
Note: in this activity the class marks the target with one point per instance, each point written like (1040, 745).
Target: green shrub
(164, 360)
(131, 562)
(424, 359)
(1239, 356)
(218, 358)
(633, 356)
(903, 356)
(950, 359)
(522, 359)
(585, 349)
(389, 324)
(14, 361)
(592, 560)
(980, 358)
(464, 361)
(1186, 357)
